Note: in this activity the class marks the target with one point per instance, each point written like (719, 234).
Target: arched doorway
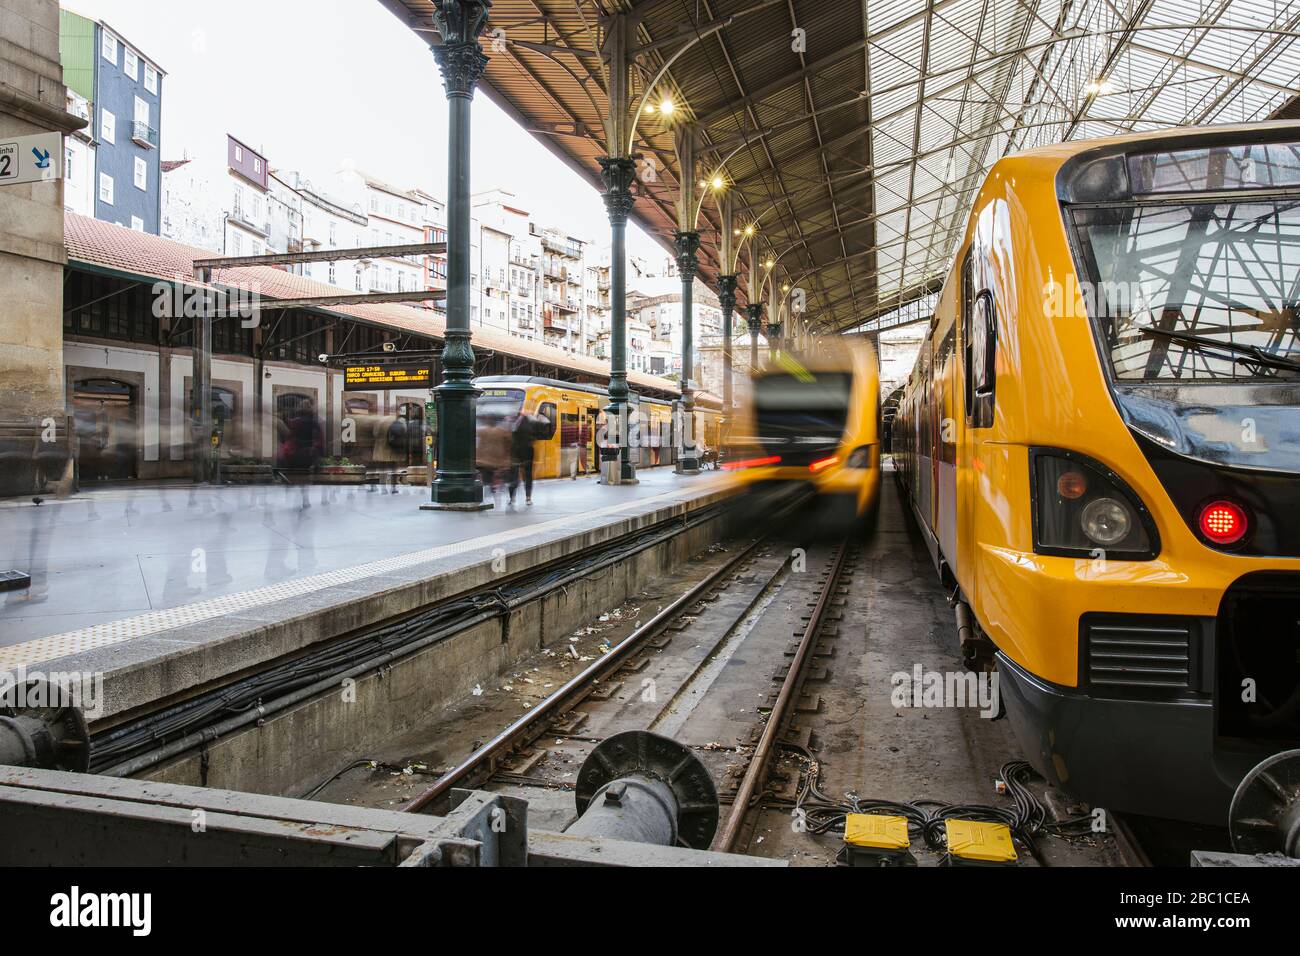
(104, 411)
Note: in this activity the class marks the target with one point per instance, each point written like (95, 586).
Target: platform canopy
(855, 132)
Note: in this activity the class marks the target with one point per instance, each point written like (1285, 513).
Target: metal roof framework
(855, 133)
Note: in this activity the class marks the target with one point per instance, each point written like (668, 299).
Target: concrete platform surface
(151, 567)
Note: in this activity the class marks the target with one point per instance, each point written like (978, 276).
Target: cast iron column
(773, 338)
(727, 296)
(456, 486)
(688, 245)
(618, 175)
(755, 311)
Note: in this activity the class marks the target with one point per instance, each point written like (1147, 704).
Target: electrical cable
(1026, 819)
(258, 692)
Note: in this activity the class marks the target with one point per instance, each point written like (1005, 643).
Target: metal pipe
(637, 808)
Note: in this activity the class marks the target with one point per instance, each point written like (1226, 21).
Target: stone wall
(32, 100)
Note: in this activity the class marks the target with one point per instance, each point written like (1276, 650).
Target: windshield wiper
(1254, 353)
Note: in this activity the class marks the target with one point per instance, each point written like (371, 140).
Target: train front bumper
(1152, 757)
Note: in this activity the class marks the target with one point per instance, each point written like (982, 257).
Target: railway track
(673, 675)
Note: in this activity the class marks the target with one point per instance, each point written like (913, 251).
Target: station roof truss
(856, 132)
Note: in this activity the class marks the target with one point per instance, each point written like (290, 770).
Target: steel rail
(730, 830)
(566, 697)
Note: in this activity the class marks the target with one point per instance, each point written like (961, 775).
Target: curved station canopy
(852, 134)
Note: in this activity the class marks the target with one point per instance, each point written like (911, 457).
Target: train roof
(704, 398)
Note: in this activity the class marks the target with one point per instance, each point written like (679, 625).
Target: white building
(79, 161)
(505, 282)
(284, 215)
(395, 217)
(219, 201)
(330, 223)
(656, 304)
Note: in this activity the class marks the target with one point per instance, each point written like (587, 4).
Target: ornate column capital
(688, 247)
(755, 313)
(459, 56)
(618, 174)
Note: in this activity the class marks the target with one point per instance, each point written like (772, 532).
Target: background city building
(115, 162)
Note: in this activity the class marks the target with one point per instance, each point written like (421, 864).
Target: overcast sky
(315, 84)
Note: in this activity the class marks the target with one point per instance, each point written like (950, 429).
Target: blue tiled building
(124, 88)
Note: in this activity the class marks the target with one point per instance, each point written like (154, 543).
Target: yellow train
(573, 411)
(1101, 443)
(814, 419)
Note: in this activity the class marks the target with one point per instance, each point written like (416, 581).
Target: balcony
(563, 248)
(142, 134)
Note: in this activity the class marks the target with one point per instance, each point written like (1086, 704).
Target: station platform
(165, 587)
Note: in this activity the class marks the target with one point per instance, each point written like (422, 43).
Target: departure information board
(362, 377)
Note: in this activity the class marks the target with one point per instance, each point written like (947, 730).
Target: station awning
(862, 128)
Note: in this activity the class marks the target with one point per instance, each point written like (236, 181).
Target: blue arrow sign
(42, 158)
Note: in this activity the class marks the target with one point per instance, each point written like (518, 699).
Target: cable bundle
(1027, 818)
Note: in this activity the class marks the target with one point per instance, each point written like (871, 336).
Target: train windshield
(1185, 291)
(801, 414)
(500, 403)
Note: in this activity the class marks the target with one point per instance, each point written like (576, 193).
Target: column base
(456, 493)
(687, 466)
(456, 506)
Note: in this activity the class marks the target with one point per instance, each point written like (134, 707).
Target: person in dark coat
(523, 435)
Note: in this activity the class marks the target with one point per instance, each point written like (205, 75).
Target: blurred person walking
(493, 454)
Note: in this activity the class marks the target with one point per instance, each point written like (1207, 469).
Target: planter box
(247, 474)
(416, 475)
(340, 474)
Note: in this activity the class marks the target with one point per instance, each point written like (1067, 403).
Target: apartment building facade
(120, 90)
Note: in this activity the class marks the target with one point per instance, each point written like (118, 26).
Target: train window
(981, 351)
(549, 415)
(967, 310)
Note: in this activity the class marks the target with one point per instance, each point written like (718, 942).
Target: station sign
(31, 159)
(357, 378)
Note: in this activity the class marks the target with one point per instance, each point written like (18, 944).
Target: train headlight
(1081, 507)
(864, 456)
(1106, 521)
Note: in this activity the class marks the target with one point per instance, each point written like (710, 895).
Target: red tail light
(751, 463)
(1224, 522)
(823, 463)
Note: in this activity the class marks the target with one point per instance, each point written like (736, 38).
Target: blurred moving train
(814, 418)
(1101, 443)
(573, 413)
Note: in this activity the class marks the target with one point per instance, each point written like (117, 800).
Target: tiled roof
(108, 246)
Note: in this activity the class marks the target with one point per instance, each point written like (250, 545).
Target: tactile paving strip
(155, 622)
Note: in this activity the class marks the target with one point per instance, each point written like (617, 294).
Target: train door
(104, 413)
(978, 314)
(547, 437)
(945, 510)
(924, 452)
